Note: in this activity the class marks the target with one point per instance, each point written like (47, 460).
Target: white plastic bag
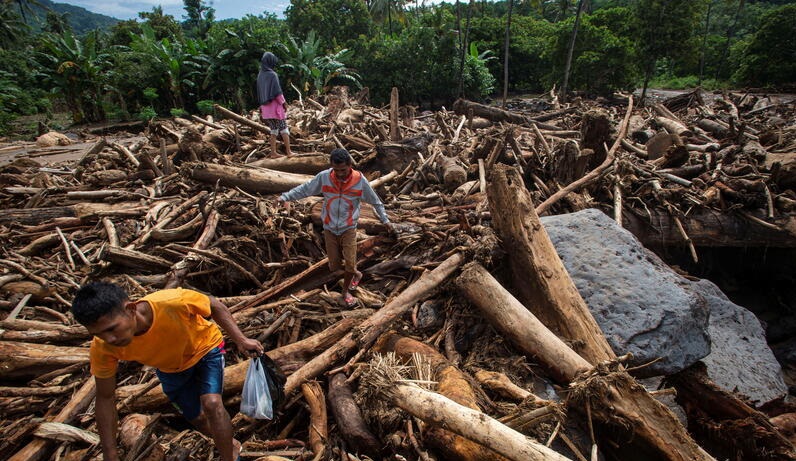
(256, 399)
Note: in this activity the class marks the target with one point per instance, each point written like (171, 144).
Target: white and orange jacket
(341, 200)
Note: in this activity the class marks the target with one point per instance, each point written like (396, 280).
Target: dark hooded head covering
(267, 81)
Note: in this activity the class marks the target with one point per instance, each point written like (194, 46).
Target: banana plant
(309, 70)
(233, 67)
(179, 63)
(76, 70)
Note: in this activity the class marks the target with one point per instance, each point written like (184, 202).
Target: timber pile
(193, 204)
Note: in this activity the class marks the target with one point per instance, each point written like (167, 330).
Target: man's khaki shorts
(341, 248)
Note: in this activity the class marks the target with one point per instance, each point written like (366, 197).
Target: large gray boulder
(646, 308)
(641, 304)
(740, 359)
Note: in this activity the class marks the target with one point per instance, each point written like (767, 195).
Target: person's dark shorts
(185, 387)
(277, 125)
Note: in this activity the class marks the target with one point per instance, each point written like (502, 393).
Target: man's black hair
(97, 299)
(339, 156)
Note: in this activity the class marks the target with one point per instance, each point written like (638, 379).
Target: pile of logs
(413, 372)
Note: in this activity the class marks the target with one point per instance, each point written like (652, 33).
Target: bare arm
(221, 315)
(107, 417)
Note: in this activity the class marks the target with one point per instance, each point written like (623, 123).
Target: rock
(641, 305)
(644, 307)
(53, 138)
(740, 359)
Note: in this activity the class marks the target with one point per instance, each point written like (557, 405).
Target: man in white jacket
(343, 188)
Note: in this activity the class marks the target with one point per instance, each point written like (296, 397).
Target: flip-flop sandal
(349, 300)
(355, 283)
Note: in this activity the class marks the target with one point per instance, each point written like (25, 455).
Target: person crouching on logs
(170, 331)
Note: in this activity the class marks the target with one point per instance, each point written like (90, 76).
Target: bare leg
(347, 277)
(272, 141)
(214, 421)
(286, 139)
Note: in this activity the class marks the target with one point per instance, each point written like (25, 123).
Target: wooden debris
(192, 203)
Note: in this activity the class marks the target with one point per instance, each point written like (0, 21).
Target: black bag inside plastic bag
(263, 389)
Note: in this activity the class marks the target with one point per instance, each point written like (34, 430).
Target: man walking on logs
(168, 330)
(343, 188)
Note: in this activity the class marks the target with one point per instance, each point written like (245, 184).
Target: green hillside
(80, 18)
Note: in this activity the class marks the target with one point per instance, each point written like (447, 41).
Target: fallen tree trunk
(539, 276)
(533, 338)
(241, 119)
(83, 211)
(254, 180)
(134, 259)
(452, 384)
(318, 430)
(616, 400)
(725, 424)
(464, 107)
(310, 164)
(472, 424)
(708, 228)
(379, 322)
(349, 418)
(28, 360)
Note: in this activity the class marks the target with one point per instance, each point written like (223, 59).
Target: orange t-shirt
(180, 335)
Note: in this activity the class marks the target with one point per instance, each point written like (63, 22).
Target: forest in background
(161, 65)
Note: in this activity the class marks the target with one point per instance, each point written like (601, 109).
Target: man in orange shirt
(169, 330)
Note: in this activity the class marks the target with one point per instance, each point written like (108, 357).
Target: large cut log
(241, 119)
(533, 338)
(542, 283)
(463, 107)
(656, 228)
(349, 418)
(310, 164)
(615, 400)
(453, 174)
(38, 332)
(255, 180)
(289, 358)
(84, 211)
(135, 433)
(134, 259)
(319, 429)
(472, 424)
(451, 383)
(379, 322)
(725, 424)
(38, 449)
(27, 360)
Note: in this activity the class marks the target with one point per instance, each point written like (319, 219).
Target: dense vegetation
(157, 65)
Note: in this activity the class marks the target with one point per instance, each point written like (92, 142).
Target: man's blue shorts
(185, 387)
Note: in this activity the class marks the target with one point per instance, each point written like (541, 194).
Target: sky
(225, 9)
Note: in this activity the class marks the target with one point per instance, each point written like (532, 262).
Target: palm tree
(381, 9)
(570, 50)
(506, 55)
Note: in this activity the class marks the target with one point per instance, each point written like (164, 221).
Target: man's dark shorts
(185, 387)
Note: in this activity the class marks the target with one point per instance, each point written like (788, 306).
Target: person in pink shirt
(273, 107)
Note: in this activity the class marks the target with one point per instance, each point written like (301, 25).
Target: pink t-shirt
(274, 109)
